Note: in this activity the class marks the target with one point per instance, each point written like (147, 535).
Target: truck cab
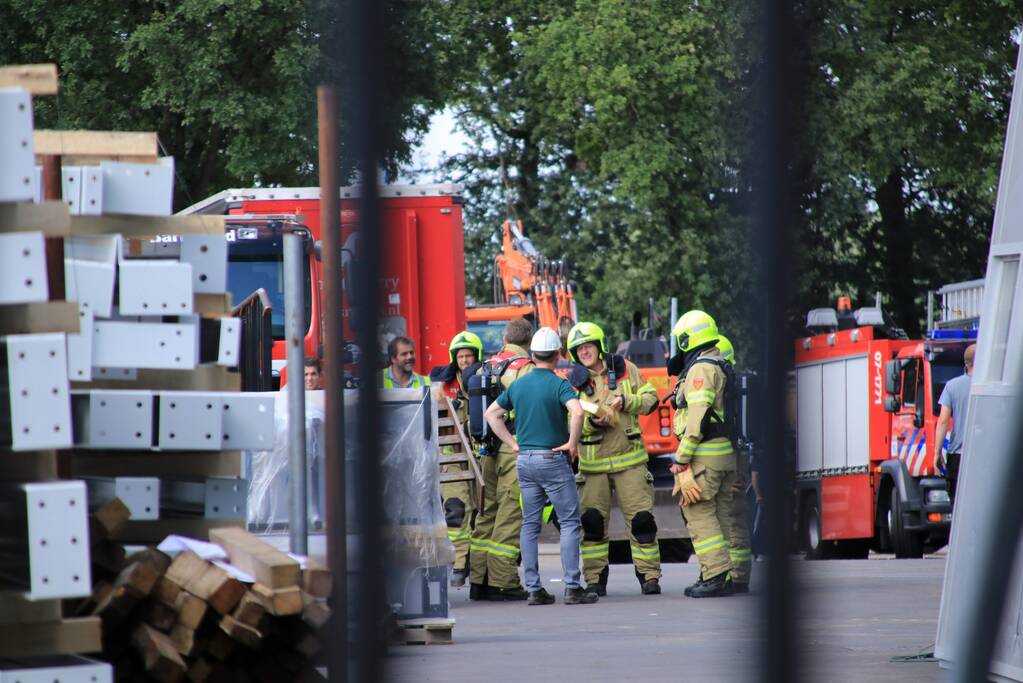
(919, 517)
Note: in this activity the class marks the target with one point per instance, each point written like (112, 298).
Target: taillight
(665, 420)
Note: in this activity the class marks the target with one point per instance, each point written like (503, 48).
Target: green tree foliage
(229, 85)
(620, 134)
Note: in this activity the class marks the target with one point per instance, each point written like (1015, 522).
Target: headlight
(937, 496)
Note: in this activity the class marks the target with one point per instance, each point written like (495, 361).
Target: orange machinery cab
(422, 280)
(649, 355)
(864, 477)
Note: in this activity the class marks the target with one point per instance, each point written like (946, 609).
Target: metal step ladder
(455, 448)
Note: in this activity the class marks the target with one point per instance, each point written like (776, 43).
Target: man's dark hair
(392, 347)
(518, 331)
(313, 363)
(545, 356)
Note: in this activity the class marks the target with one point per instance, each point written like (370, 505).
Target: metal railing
(257, 341)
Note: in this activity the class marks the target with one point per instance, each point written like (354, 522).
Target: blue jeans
(543, 475)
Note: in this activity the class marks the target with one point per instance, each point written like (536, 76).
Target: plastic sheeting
(412, 515)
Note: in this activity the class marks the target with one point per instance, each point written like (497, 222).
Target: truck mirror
(893, 377)
(318, 250)
(918, 415)
(892, 404)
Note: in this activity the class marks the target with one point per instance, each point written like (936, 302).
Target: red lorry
(866, 407)
(423, 271)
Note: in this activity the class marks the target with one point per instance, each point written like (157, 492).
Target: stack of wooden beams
(256, 616)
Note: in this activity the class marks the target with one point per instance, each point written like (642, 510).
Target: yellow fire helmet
(726, 349)
(585, 333)
(466, 340)
(694, 329)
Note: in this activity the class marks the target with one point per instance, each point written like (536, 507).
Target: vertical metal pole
(673, 348)
(294, 332)
(930, 311)
(367, 37)
(333, 385)
(777, 96)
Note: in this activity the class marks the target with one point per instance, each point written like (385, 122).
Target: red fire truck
(422, 278)
(866, 408)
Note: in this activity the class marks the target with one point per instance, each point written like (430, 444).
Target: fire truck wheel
(810, 523)
(905, 543)
(884, 519)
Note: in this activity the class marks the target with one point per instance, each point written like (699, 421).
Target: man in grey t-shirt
(954, 399)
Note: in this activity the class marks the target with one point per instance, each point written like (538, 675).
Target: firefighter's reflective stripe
(459, 534)
(651, 553)
(740, 555)
(486, 546)
(712, 543)
(589, 463)
(594, 551)
(387, 381)
(688, 447)
(635, 401)
(707, 396)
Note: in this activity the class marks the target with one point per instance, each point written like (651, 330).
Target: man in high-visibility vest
(612, 458)
(494, 546)
(401, 373)
(704, 465)
(465, 352)
(740, 550)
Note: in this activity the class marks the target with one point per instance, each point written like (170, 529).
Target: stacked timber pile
(174, 615)
(117, 382)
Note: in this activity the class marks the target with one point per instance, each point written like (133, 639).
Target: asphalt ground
(853, 616)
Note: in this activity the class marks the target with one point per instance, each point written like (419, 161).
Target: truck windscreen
(491, 333)
(940, 375)
(248, 271)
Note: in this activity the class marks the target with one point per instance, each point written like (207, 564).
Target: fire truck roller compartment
(423, 270)
(866, 409)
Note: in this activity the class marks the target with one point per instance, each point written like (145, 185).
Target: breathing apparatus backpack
(713, 427)
(484, 388)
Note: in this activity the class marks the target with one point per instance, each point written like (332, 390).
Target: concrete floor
(854, 616)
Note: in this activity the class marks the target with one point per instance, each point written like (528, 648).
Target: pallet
(423, 632)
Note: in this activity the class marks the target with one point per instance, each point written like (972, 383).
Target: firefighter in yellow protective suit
(494, 545)
(612, 458)
(704, 466)
(465, 352)
(740, 550)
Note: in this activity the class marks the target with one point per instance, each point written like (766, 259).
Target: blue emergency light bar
(953, 334)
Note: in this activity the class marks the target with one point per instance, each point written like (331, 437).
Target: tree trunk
(898, 280)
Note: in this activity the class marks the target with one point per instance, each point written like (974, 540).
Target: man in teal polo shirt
(541, 401)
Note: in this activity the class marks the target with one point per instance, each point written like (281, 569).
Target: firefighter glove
(685, 483)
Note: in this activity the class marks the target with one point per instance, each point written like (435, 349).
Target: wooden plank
(218, 305)
(317, 580)
(184, 639)
(455, 459)
(219, 589)
(168, 592)
(424, 631)
(15, 609)
(96, 143)
(449, 439)
(52, 218)
(66, 636)
(191, 610)
(159, 561)
(266, 564)
(203, 378)
(280, 602)
(157, 464)
(250, 611)
(28, 465)
(116, 605)
(38, 79)
(138, 577)
(160, 656)
(242, 633)
(108, 520)
(40, 317)
(159, 616)
(316, 613)
(147, 226)
(464, 475)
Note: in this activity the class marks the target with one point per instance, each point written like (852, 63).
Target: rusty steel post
(333, 382)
